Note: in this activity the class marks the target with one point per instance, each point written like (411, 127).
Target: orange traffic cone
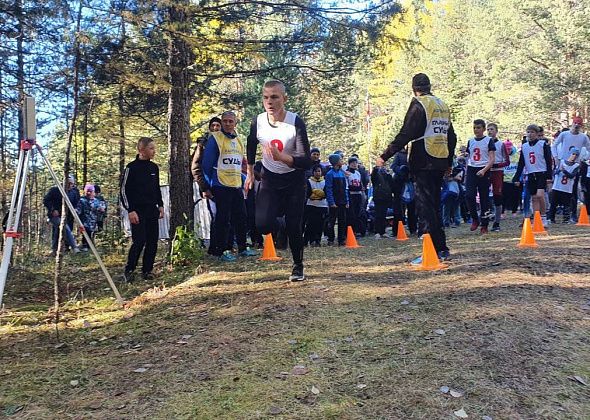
(401, 232)
(527, 239)
(583, 219)
(430, 259)
(269, 253)
(351, 239)
(538, 227)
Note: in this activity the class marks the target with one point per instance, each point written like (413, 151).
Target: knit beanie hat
(334, 159)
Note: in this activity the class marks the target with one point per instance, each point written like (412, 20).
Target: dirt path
(505, 330)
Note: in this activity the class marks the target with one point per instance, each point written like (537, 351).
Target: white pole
(12, 225)
(84, 233)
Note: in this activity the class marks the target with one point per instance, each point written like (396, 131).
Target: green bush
(186, 246)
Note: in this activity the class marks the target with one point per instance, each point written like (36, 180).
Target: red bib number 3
(476, 154)
(278, 144)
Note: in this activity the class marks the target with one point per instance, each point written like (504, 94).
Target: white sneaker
(377, 236)
(545, 221)
(76, 250)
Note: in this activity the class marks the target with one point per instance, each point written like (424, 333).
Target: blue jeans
(55, 233)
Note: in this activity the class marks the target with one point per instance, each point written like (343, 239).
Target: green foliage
(186, 247)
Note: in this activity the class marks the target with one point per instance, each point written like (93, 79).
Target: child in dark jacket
(382, 197)
(337, 195)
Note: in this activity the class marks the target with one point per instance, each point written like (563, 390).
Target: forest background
(106, 72)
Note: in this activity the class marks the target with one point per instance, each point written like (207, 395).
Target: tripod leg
(86, 236)
(16, 202)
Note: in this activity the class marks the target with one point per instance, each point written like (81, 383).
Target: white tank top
(500, 154)
(478, 152)
(534, 158)
(561, 182)
(281, 135)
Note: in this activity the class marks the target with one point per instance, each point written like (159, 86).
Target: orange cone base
(583, 218)
(538, 227)
(351, 239)
(439, 266)
(528, 245)
(401, 232)
(269, 253)
(269, 259)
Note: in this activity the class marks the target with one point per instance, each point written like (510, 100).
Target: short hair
(229, 113)
(493, 125)
(143, 142)
(421, 83)
(315, 167)
(533, 127)
(479, 122)
(541, 129)
(275, 83)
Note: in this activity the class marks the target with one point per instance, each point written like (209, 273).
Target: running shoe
(128, 276)
(483, 230)
(444, 255)
(496, 227)
(416, 261)
(248, 252)
(297, 273)
(227, 256)
(148, 276)
(474, 225)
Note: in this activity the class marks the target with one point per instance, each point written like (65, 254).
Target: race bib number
(476, 154)
(279, 144)
(532, 158)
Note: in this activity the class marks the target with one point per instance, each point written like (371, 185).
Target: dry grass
(364, 325)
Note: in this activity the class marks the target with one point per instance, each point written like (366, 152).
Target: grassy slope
(515, 327)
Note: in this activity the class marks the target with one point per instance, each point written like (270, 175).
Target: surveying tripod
(28, 147)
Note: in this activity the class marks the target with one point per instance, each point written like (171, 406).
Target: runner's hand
(276, 153)
(249, 182)
(480, 173)
(133, 218)
(161, 216)
(517, 184)
(379, 162)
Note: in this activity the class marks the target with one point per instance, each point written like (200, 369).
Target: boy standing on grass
(142, 198)
(535, 156)
(481, 151)
(501, 160)
(337, 195)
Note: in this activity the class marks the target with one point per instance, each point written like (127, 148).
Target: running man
(428, 129)
(285, 158)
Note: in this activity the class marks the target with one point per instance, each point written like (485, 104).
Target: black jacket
(382, 184)
(140, 191)
(413, 128)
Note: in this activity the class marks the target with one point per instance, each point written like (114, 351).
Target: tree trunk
(3, 172)
(71, 130)
(20, 66)
(179, 104)
(121, 135)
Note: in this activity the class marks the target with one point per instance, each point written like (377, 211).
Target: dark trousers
(354, 214)
(511, 197)
(478, 184)
(338, 214)
(381, 207)
(315, 223)
(231, 208)
(560, 198)
(585, 181)
(272, 203)
(428, 187)
(574, 199)
(255, 237)
(145, 238)
(404, 212)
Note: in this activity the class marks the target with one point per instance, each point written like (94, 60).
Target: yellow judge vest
(438, 121)
(229, 162)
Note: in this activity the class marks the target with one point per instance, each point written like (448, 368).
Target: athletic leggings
(473, 185)
(289, 201)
